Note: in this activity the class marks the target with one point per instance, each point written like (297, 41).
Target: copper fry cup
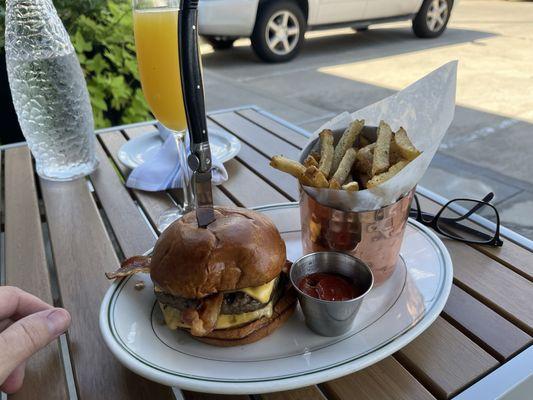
(373, 236)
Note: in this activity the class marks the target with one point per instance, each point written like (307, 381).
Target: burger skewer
(193, 95)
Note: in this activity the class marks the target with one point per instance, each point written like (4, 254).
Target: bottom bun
(255, 330)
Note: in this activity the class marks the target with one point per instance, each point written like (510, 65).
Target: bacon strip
(130, 266)
(204, 318)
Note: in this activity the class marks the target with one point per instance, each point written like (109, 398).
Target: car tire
(432, 18)
(279, 31)
(220, 42)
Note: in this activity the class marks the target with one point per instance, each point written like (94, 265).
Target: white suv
(277, 27)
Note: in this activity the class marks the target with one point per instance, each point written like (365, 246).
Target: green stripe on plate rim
(142, 360)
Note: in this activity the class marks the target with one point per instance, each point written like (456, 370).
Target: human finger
(16, 303)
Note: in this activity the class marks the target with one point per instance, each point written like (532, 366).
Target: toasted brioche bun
(255, 330)
(241, 248)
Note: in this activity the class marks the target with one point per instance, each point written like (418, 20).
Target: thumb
(28, 335)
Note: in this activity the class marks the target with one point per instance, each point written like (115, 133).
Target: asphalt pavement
(489, 146)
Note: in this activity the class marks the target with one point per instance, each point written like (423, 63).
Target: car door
(337, 11)
(391, 8)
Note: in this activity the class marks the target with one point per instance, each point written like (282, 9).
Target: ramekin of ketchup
(331, 287)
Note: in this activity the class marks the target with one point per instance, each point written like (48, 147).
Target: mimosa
(156, 42)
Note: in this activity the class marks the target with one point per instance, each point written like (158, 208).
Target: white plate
(391, 316)
(224, 146)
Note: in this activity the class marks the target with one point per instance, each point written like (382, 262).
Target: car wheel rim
(282, 32)
(437, 15)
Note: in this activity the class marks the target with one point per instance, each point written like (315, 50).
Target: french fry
(351, 187)
(345, 166)
(326, 152)
(291, 167)
(310, 161)
(316, 177)
(346, 141)
(381, 162)
(334, 184)
(364, 159)
(315, 155)
(385, 176)
(404, 145)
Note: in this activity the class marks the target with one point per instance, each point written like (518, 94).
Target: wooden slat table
(58, 239)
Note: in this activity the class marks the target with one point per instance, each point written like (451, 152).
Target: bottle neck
(34, 31)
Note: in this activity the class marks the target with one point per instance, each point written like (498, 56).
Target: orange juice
(156, 42)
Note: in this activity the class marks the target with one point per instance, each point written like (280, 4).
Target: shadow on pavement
(342, 47)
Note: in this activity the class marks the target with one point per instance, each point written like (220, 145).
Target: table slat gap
(66, 361)
(26, 267)
(275, 128)
(485, 327)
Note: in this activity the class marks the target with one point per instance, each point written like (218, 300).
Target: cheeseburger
(226, 285)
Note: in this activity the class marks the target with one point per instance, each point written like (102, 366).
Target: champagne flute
(155, 24)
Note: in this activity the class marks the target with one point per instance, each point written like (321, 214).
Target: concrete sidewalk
(489, 145)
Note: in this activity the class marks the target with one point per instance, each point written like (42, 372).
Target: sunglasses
(459, 219)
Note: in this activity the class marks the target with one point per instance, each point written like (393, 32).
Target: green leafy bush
(102, 34)
(106, 50)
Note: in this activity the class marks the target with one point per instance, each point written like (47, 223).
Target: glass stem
(188, 195)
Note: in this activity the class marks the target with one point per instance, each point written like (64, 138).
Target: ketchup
(331, 287)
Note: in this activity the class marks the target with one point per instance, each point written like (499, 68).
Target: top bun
(241, 248)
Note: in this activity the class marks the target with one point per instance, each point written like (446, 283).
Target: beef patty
(233, 303)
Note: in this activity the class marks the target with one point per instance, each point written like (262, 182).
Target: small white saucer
(224, 146)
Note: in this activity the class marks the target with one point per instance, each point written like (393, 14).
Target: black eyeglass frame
(432, 220)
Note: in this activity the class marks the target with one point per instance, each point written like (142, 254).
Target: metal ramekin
(331, 318)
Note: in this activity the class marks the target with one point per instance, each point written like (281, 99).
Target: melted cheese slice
(261, 293)
(173, 317)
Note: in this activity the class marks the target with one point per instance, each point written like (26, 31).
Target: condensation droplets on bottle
(49, 91)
